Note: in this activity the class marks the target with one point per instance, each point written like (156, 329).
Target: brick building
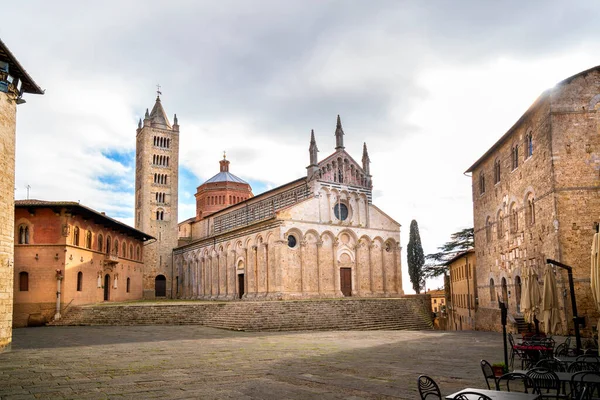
(536, 196)
(156, 196)
(317, 236)
(90, 256)
(463, 296)
(14, 82)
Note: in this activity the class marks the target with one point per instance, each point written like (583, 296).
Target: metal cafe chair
(471, 396)
(516, 382)
(552, 364)
(516, 351)
(577, 366)
(488, 374)
(580, 383)
(428, 389)
(547, 381)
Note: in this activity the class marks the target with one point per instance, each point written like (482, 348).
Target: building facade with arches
(316, 237)
(536, 196)
(95, 258)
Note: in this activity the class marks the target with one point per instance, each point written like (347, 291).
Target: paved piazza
(195, 362)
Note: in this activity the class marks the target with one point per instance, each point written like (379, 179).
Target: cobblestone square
(195, 362)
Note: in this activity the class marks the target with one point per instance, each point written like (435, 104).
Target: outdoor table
(571, 359)
(497, 395)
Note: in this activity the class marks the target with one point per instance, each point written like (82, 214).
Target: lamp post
(503, 315)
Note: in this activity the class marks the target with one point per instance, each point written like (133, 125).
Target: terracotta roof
(16, 70)
(86, 211)
(459, 255)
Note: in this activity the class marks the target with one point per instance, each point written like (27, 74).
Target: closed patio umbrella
(595, 272)
(530, 299)
(550, 302)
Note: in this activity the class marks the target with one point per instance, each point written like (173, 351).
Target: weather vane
(158, 92)
(224, 154)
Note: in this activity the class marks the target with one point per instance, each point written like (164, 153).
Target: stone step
(364, 314)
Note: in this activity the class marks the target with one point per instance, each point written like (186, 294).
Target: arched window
(131, 250)
(108, 244)
(481, 183)
(88, 240)
(504, 291)
(124, 250)
(76, 236)
(530, 210)
(488, 229)
(515, 156)
(529, 144)
(492, 292)
(100, 242)
(23, 234)
(500, 224)
(497, 171)
(128, 284)
(138, 253)
(79, 281)
(23, 281)
(514, 218)
(116, 247)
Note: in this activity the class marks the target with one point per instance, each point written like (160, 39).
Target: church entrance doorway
(346, 281)
(160, 286)
(241, 285)
(106, 287)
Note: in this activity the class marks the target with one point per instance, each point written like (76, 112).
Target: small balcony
(111, 258)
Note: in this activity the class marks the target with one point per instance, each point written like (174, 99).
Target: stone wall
(563, 177)
(7, 184)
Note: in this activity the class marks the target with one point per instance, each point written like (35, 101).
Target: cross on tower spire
(158, 92)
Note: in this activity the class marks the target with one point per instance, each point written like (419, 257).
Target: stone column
(398, 269)
(210, 270)
(218, 274)
(356, 271)
(383, 271)
(233, 275)
(255, 268)
(336, 273)
(267, 272)
(319, 245)
(370, 245)
(302, 277)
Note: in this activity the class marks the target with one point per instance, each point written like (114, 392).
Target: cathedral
(318, 236)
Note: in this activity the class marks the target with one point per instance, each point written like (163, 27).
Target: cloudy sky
(430, 86)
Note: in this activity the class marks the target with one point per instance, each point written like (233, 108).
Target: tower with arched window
(156, 179)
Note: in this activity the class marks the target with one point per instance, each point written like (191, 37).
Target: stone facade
(156, 180)
(95, 258)
(536, 197)
(463, 296)
(14, 81)
(316, 237)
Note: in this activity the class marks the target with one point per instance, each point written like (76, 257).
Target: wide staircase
(409, 313)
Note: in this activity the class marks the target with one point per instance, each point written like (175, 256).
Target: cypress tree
(415, 258)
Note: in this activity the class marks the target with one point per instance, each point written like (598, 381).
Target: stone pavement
(196, 362)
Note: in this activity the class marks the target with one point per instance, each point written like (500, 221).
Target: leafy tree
(436, 262)
(415, 258)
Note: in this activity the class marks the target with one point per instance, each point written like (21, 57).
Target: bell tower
(156, 180)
